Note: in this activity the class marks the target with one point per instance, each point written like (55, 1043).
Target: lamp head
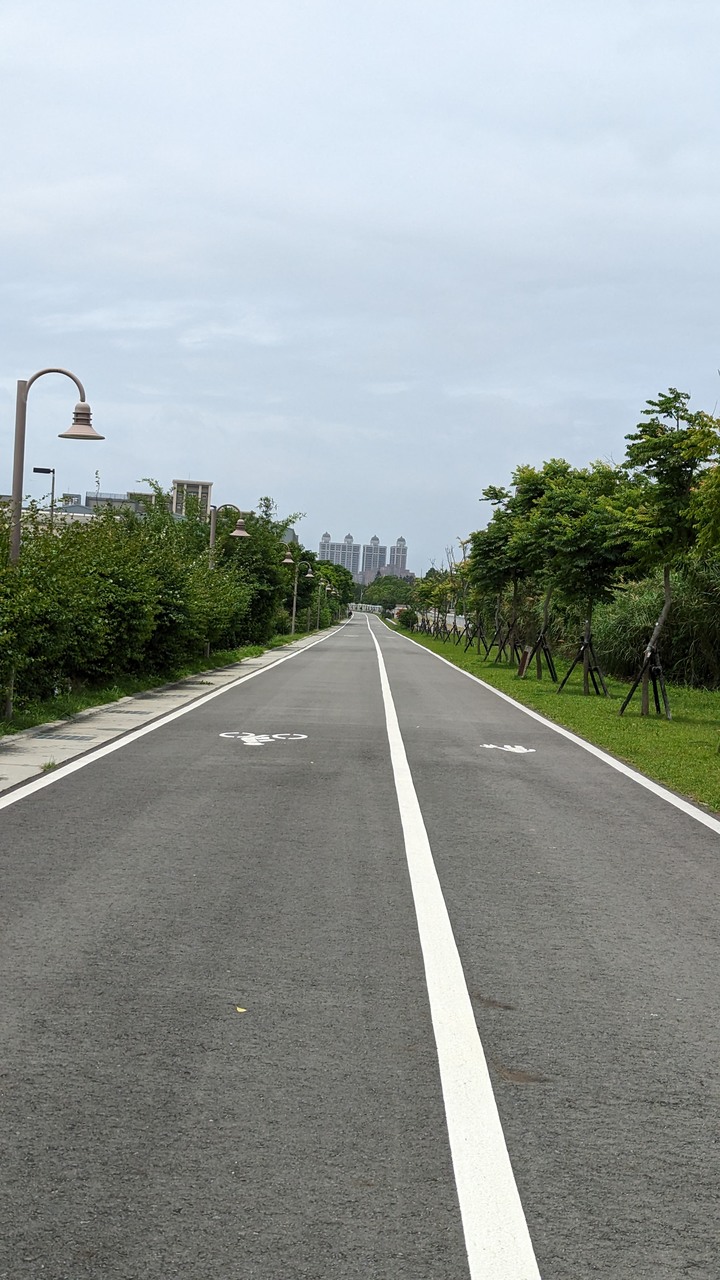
(309, 574)
(81, 428)
(240, 531)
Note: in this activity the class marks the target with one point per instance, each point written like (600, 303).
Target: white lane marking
(496, 1235)
(657, 789)
(520, 751)
(49, 779)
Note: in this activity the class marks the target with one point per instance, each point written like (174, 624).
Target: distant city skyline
(363, 560)
(374, 556)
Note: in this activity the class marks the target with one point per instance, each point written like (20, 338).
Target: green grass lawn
(681, 753)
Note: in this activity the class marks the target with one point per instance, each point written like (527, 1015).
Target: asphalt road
(220, 1057)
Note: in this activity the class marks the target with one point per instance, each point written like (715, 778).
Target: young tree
(668, 455)
(579, 523)
(494, 563)
(507, 553)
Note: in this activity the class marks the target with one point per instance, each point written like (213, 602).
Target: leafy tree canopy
(668, 455)
(388, 591)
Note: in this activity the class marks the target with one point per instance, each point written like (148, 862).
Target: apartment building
(345, 553)
(374, 557)
(184, 489)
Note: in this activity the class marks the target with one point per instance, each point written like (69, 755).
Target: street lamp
(48, 471)
(81, 428)
(289, 560)
(238, 532)
(325, 586)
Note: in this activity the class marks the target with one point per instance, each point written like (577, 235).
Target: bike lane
(218, 1056)
(584, 909)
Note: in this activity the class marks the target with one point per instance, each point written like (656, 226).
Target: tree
(705, 509)
(493, 566)
(506, 554)
(339, 577)
(579, 529)
(258, 562)
(669, 455)
(388, 591)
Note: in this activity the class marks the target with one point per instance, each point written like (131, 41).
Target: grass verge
(67, 705)
(682, 753)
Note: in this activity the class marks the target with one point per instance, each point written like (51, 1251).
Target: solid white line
(496, 1235)
(29, 788)
(657, 789)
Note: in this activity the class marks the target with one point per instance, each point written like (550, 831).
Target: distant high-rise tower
(374, 558)
(345, 553)
(398, 557)
(350, 557)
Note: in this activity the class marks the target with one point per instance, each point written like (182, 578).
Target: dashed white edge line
(496, 1235)
(63, 770)
(657, 789)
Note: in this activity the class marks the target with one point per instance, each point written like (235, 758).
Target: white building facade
(374, 557)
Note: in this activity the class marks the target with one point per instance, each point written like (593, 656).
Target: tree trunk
(545, 623)
(586, 651)
(653, 641)
(512, 634)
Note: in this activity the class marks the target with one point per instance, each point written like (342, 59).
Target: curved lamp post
(81, 428)
(238, 532)
(289, 560)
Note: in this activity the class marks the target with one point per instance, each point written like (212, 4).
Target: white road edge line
(496, 1235)
(37, 784)
(657, 789)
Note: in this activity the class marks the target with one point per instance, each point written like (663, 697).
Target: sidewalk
(30, 753)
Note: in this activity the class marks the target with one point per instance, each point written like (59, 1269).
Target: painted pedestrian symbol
(520, 751)
(262, 739)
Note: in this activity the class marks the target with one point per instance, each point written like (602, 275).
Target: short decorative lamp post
(324, 586)
(289, 561)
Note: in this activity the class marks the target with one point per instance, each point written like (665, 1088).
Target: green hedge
(128, 593)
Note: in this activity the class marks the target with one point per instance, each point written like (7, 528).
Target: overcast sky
(364, 256)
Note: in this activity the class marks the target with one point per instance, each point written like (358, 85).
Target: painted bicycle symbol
(261, 739)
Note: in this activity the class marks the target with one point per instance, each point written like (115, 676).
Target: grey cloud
(366, 258)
